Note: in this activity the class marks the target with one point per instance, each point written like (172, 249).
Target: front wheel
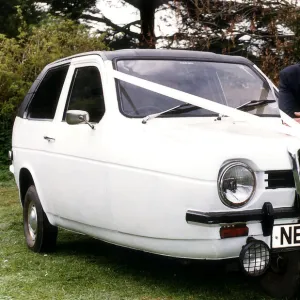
(40, 235)
(282, 279)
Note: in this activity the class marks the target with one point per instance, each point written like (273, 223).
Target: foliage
(5, 176)
(72, 9)
(5, 141)
(23, 58)
(9, 21)
(34, 11)
(284, 50)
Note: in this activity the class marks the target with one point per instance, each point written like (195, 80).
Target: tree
(73, 9)
(9, 21)
(282, 49)
(245, 28)
(147, 9)
(146, 38)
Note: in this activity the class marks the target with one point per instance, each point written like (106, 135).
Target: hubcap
(32, 221)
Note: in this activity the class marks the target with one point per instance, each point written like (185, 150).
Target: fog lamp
(255, 257)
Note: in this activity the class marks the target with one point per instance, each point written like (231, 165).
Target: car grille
(279, 179)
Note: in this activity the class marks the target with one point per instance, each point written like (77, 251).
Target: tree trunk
(147, 11)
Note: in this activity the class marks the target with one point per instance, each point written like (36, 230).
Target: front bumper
(266, 216)
(257, 265)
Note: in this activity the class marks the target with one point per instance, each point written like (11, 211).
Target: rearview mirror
(74, 117)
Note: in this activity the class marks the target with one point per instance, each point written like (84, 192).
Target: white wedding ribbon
(293, 129)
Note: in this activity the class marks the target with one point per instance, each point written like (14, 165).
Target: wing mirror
(74, 117)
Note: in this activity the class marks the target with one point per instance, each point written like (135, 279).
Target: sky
(118, 12)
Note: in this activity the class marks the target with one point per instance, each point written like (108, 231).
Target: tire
(40, 235)
(283, 283)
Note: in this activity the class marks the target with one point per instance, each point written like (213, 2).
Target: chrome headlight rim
(222, 172)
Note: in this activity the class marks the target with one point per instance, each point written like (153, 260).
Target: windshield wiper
(254, 103)
(172, 109)
(251, 104)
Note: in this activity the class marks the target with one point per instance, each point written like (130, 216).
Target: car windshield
(225, 83)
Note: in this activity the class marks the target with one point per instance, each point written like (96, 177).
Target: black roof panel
(160, 53)
(164, 53)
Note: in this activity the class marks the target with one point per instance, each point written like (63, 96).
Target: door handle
(49, 139)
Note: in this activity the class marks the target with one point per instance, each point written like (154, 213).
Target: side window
(86, 93)
(44, 102)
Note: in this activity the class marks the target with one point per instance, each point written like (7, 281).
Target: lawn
(84, 268)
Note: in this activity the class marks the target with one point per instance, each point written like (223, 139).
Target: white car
(178, 153)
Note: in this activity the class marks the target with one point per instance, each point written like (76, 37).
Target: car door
(79, 192)
(32, 146)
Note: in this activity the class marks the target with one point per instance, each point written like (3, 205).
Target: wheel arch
(25, 181)
(26, 178)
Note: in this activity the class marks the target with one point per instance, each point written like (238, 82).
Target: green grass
(84, 268)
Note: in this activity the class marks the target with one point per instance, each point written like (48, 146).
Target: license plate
(287, 235)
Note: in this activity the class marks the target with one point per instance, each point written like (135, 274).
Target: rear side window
(86, 93)
(44, 102)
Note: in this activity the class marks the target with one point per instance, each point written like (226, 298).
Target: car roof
(159, 54)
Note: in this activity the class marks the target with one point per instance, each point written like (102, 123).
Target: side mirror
(74, 117)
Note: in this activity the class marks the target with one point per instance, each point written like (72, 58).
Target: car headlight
(236, 184)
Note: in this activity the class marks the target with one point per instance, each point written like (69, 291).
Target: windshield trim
(117, 82)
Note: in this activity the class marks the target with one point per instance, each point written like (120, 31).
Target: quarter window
(44, 102)
(86, 93)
